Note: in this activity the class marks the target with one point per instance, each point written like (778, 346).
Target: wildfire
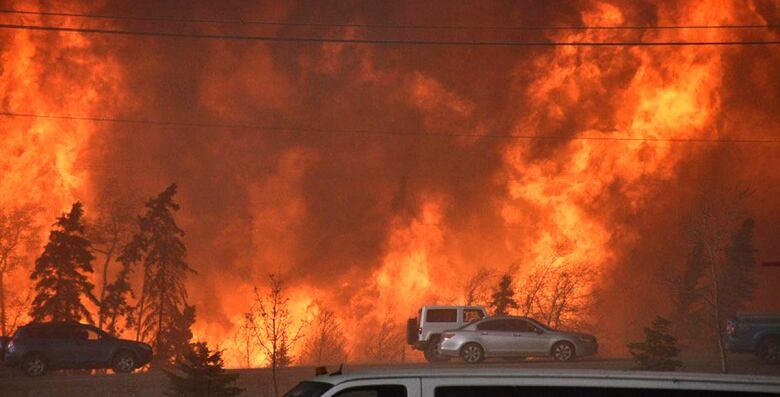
(373, 228)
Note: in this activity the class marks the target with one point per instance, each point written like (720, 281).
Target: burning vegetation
(592, 187)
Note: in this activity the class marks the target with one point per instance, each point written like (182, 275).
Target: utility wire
(388, 42)
(380, 26)
(380, 132)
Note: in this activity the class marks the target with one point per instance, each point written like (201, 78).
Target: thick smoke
(380, 223)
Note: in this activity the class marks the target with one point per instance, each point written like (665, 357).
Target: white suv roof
(452, 307)
(581, 378)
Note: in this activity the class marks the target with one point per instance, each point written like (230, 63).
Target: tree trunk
(141, 303)
(723, 362)
(273, 375)
(160, 315)
(109, 254)
(3, 314)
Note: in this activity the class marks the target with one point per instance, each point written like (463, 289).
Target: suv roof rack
(338, 371)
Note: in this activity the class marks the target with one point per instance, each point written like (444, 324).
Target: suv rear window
(471, 315)
(441, 316)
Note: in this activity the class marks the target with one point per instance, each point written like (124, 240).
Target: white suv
(514, 382)
(424, 331)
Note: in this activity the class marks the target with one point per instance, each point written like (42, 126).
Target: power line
(380, 132)
(388, 42)
(381, 26)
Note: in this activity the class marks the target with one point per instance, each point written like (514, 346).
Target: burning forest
(339, 184)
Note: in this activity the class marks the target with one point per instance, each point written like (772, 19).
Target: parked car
(509, 382)
(424, 331)
(514, 337)
(38, 347)
(755, 333)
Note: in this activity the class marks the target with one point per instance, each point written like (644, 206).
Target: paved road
(257, 381)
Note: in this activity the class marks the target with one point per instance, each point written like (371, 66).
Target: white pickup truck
(424, 331)
(514, 382)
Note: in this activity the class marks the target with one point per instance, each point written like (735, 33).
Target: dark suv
(757, 333)
(41, 346)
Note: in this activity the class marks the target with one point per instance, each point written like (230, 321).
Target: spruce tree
(60, 272)
(115, 304)
(162, 309)
(736, 281)
(658, 352)
(503, 298)
(174, 340)
(202, 374)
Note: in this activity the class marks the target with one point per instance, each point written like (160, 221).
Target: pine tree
(60, 272)
(162, 307)
(736, 283)
(202, 374)
(174, 340)
(659, 350)
(503, 298)
(115, 304)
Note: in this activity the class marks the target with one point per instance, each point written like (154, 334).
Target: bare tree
(385, 345)
(326, 342)
(565, 294)
(706, 291)
(108, 233)
(534, 285)
(476, 289)
(274, 326)
(245, 341)
(556, 291)
(18, 307)
(17, 232)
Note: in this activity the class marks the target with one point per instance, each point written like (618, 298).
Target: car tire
(769, 351)
(123, 362)
(34, 364)
(563, 351)
(472, 353)
(431, 352)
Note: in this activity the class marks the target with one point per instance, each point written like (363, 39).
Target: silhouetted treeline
(150, 245)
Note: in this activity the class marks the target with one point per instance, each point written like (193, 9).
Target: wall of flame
(376, 225)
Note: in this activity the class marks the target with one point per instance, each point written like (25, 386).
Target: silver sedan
(514, 337)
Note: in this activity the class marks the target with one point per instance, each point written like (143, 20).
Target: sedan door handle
(483, 333)
(517, 334)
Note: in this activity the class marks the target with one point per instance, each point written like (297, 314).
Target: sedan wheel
(34, 365)
(472, 353)
(563, 351)
(124, 362)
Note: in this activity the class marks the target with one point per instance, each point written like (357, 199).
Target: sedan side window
(59, 333)
(374, 391)
(495, 325)
(522, 326)
(78, 333)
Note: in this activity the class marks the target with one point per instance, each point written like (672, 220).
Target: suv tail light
(731, 327)
(419, 331)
